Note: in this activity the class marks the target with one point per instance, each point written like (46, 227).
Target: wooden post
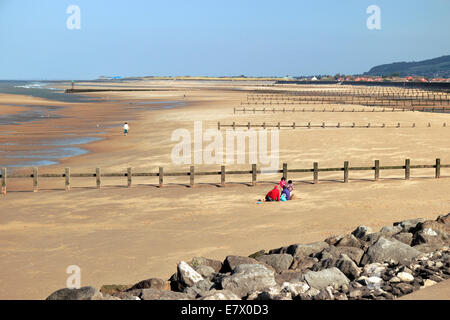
(248, 125)
(67, 176)
(377, 170)
(98, 179)
(293, 125)
(222, 176)
(35, 179)
(234, 126)
(345, 171)
(192, 176)
(218, 125)
(438, 169)
(129, 177)
(161, 177)
(407, 169)
(316, 173)
(253, 174)
(285, 170)
(234, 110)
(3, 180)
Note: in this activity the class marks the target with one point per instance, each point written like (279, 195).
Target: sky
(214, 37)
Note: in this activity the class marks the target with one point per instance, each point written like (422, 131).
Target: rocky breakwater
(363, 265)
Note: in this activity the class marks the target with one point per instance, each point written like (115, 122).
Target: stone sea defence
(362, 265)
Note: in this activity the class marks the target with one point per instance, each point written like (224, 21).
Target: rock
(218, 295)
(232, 262)
(431, 232)
(291, 276)
(385, 249)
(391, 230)
(130, 295)
(428, 283)
(374, 269)
(405, 237)
(156, 294)
(407, 225)
(301, 263)
(257, 254)
(198, 288)
(306, 249)
(333, 240)
(348, 267)
(340, 296)
(325, 294)
(373, 283)
(279, 262)
(84, 293)
(201, 261)
(247, 278)
(395, 280)
(206, 272)
(361, 231)
(325, 278)
(186, 275)
(295, 288)
(428, 247)
(404, 288)
(308, 295)
(113, 288)
(355, 293)
(445, 219)
(152, 283)
(349, 240)
(405, 277)
(273, 293)
(353, 253)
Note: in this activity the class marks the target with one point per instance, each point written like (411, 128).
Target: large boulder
(306, 249)
(328, 277)
(231, 262)
(405, 237)
(84, 293)
(387, 249)
(301, 263)
(205, 271)
(155, 294)
(349, 240)
(201, 261)
(186, 275)
(152, 283)
(218, 295)
(279, 262)
(431, 232)
(348, 267)
(332, 252)
(247, 278)
(444, 219)
(409, 224)
(291, 276)
(361, 231)
(198, 288)
(391, 230)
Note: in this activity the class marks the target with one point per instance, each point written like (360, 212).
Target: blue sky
(214, 38)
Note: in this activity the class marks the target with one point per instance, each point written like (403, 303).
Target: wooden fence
(323, 125)
(98, 174)
(284, 110)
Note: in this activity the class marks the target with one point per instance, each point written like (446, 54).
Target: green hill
(433, 68)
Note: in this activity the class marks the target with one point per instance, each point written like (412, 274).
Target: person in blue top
(286, 192)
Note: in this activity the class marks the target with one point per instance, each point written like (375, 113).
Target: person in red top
(273, 195)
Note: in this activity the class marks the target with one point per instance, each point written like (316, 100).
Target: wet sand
(120, 235)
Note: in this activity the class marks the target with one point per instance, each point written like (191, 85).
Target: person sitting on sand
(126, 128)
(286, 192)
(282, 183)
(290, 187)
(273, 195)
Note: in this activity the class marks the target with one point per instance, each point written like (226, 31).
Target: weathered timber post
(222, 176)
(248, 125)
(316, 172)
(35, 179)
(234, 110)
(3, 180)
(98, 175)
(345, 171)
(234, 126)
(407, 169)
(438, 169)
(285, 170)
(253, 174)
(218, 125)
(161, 177)
(192, 176)
(377, 170)
(279, 126)
(129, 177)
(67, 176)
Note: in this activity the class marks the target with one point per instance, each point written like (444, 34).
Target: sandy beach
(120, 235)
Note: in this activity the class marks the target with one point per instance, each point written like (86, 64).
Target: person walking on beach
(126, 128)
